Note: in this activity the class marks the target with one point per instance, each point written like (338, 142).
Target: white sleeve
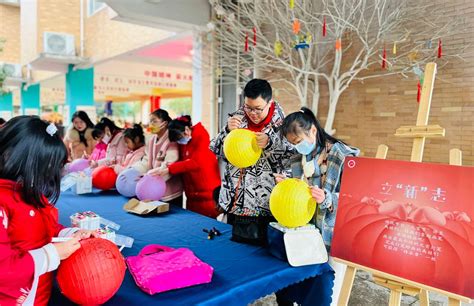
(45, 259)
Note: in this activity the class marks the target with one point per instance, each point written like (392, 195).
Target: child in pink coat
(135, 140)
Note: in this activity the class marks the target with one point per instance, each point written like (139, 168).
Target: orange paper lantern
(93, 274)
(104, 178)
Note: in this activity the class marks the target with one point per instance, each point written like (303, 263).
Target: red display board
(412, 220)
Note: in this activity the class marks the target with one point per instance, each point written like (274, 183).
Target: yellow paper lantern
(241, 149)
(291, 203)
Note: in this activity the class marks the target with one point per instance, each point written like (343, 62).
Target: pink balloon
(78, 165)
(127, 182)
(151, 187)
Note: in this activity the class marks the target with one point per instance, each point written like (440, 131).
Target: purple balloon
(78, 165)
(151, 187)
(127, 182)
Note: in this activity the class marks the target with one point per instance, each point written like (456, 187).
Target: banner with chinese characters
(412, 220)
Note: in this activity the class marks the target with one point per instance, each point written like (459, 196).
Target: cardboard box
(145, 207)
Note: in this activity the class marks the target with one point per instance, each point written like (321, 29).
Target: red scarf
(260, 126)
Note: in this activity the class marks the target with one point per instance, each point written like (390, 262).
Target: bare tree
(362, 39)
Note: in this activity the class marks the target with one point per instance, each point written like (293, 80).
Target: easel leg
(454, 302)
(395, 298)
(424, 298)
(349, 277)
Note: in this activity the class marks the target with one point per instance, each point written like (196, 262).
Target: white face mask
(106, 139)
(184, 140)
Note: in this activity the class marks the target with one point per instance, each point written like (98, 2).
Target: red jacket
(23, 228)
(200, 172)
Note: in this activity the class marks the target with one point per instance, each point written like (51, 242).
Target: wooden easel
(419, 133)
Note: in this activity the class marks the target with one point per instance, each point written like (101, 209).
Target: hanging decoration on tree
(413, 56)
(338, 44)
(324, 26)
(440, 52)
(302, 41)
(292, 4)
(254, 36)
(246, 48)
(277, 48)
(394, 50)
(384, 58)
(247, 72)
(418, 95)
(296, 26)
(419, 73)
(429, 44)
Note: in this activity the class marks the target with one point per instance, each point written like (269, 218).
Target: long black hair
(33, 158)
(177, 127)
(161, 114)
(106, 122)
(136, 131)
(301, 122)
(84, 117)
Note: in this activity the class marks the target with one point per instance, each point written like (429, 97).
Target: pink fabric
(159, 268)
(99, 151)
(157, 151)
(131, 158)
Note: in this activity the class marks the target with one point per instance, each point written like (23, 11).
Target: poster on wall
(411, 220)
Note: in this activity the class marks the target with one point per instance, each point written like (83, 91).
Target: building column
(80, 93)
(30, 99)
(155, 103)
(6, 106)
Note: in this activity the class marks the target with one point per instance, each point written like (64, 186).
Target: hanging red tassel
(384, 58)
(254, 36)
(246, 42)
(418, 95)
(324, 26)
(440, 51)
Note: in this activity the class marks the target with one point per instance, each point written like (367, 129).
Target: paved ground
(365, 292)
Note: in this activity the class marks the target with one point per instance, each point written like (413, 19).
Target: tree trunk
(316, 94)
(333, 99)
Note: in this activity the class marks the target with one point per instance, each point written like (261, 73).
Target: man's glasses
(256, 111)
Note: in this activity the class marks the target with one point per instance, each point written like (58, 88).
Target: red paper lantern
(93, 274)
(104, 178)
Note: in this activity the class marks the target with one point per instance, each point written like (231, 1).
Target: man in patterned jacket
(245, 193)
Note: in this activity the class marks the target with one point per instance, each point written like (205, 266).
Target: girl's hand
(93, 164)
(85, 155)
(84, 234)
(279, 177)
(67, 248)
(317, 193)
(159, 171)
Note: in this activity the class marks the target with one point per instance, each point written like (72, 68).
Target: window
(93, 6)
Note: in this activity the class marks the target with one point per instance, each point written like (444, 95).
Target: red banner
(412, 220)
